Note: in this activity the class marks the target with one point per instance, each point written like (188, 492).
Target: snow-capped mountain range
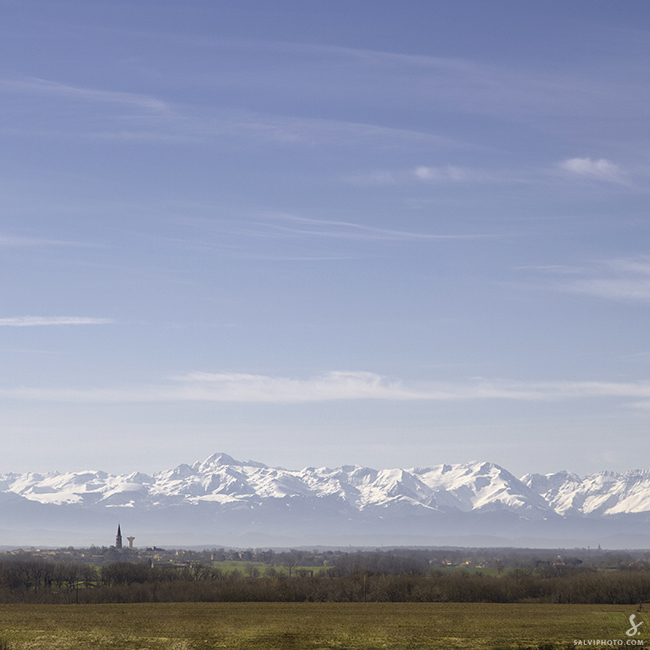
(224, 501)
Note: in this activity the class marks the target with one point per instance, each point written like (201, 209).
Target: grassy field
(228, 566)
(311, 626)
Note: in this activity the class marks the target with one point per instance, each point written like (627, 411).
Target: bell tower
(118, 538)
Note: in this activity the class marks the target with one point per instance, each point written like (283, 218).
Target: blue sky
(324, 233)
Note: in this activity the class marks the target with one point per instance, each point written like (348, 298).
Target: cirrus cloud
(623, 279)
(333, 386)
(600, 169)
(35, 321)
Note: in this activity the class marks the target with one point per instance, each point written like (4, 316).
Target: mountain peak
(228, 491)
(218, 459)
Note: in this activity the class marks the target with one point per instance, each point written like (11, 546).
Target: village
(256, 562)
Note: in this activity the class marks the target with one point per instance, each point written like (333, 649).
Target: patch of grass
(231, 565)
(228, 566)
(311, 626)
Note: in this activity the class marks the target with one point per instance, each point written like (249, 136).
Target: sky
(324, 233)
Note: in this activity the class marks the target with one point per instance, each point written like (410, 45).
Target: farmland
(406, 576)
(311, 626)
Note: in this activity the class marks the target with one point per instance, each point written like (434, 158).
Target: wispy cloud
(443, 174)
(53, 88)
(601, 169)
(6, 240)
(313, 131)
(632, 289)
(452, 83)
(296, 237)
(153, 119)
(434, 175)
(288, 225)
(555, 269)
(446, 175)
(367, 385)
(37, 321)
(626, 279)
(300, 71)
(338, 385)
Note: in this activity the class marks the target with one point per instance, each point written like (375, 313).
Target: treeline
(36, 581)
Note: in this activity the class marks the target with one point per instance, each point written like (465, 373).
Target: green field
(311, 626)
(229, 566)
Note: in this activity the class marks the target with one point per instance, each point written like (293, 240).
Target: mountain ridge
(222, 496)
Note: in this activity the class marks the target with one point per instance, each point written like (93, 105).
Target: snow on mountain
(221, 496)
(481, 487)
(605, 493)
(80, 488)
(222, 479)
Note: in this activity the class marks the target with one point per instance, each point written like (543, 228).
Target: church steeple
(118, 538)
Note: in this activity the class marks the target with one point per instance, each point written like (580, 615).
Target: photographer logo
(633, 631)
